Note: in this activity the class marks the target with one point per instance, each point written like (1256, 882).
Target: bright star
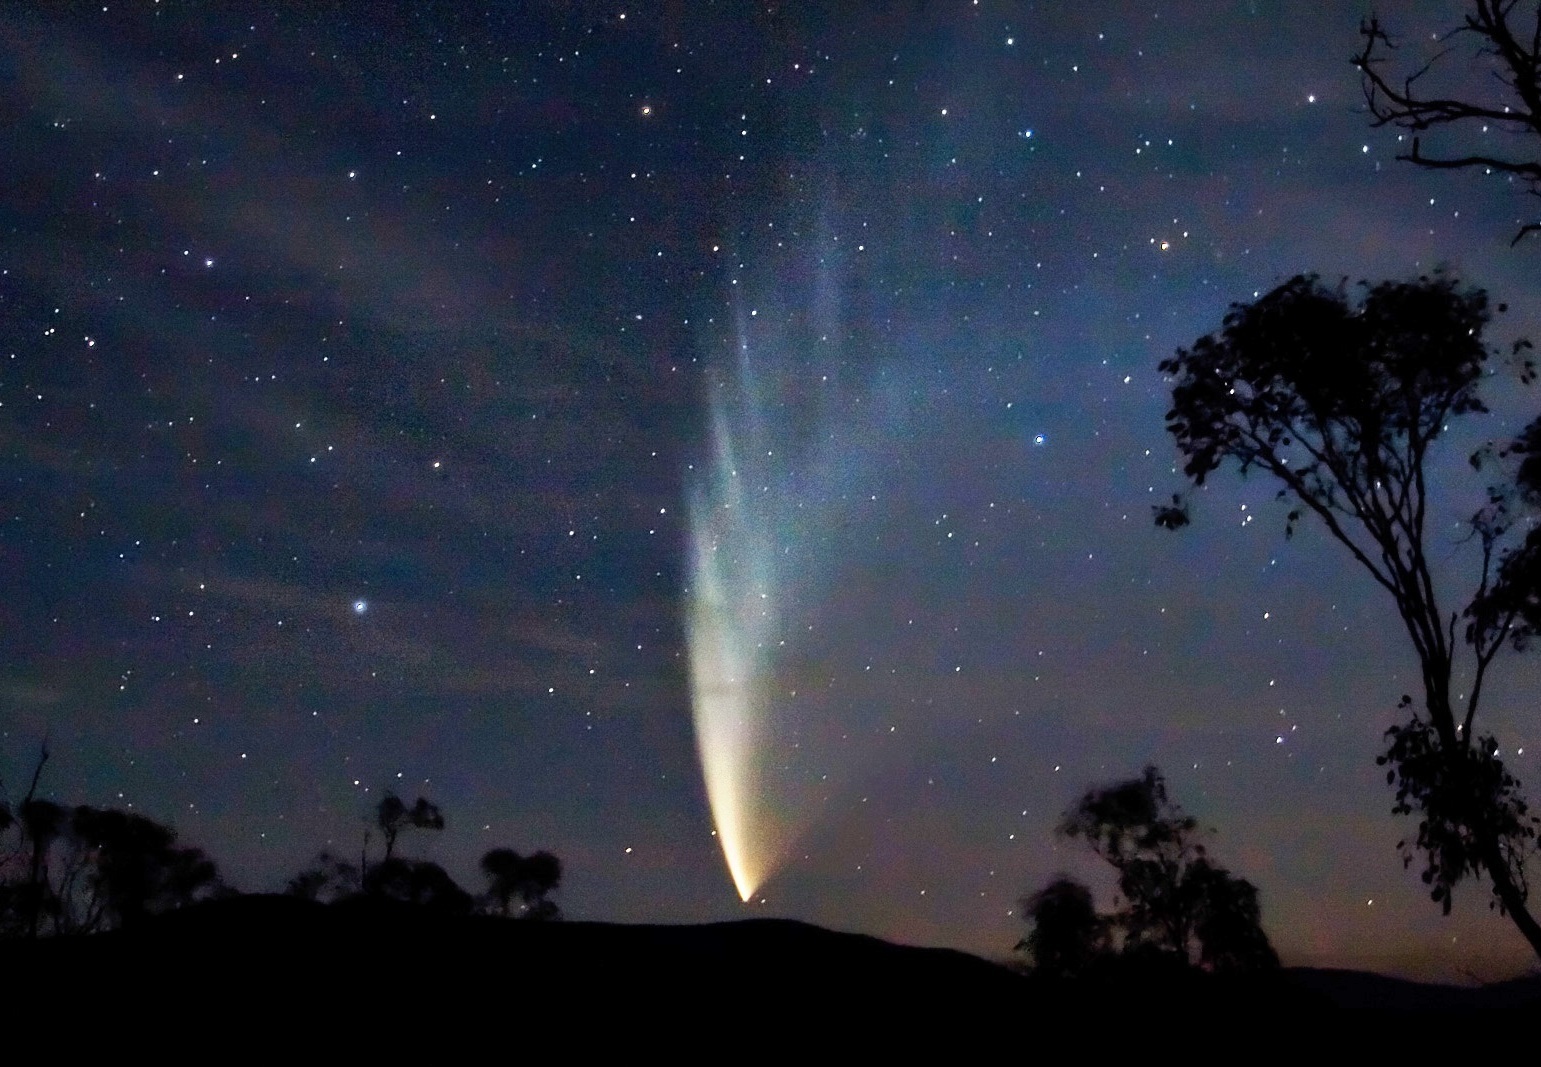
(360, 606)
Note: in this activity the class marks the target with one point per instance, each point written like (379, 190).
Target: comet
(789, 439)
(735, 596)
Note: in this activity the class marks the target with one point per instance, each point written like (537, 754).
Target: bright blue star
(360, 606)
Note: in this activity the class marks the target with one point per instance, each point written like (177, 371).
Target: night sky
(359, 366)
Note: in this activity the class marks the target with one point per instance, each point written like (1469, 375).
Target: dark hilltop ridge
(282, 956)
(1375, 992)
(285, 946)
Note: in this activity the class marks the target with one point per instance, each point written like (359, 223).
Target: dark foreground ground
(259, 964)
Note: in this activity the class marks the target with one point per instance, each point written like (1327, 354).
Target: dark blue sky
(355, 366)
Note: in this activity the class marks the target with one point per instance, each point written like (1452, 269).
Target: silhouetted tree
(330, 880)
(42, 822)
(1503, 100)
(503, 867)
(15, 915)
(542, 875)
(1340, 403)
(393, 816)
(1150, 843)
(1230, 922)
(530, 878)
(1176, 903)
(419, 883)
(1067, 935)
(88, 869)
(84, 869)
(24, 895)
(135, 867)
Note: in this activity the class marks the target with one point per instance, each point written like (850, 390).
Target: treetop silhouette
(1067, 936)
(426, 885)
(529, 878)
(85, 869)
(1176, 903)
(393, 816)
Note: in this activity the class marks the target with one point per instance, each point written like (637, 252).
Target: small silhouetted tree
(503, 868)
(419, 883)
(1481, 104)
(529, 878)
(1176, 903)
(1152, 845)
(330, 879)
(1229, 926)
(542, 875)
(393, 816)
(1341, 404)
(1067, 936)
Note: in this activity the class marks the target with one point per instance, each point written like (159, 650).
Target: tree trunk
(1510, 895)
(1508, 892)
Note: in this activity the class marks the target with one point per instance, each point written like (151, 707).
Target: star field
(357, 364)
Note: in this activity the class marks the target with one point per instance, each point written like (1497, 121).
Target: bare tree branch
(1513, 59)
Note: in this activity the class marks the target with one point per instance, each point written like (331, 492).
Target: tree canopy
(1066, 935)
(531, 879)
(393, 816)
(85, 869)
(1340, 402)
(1175, 902)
